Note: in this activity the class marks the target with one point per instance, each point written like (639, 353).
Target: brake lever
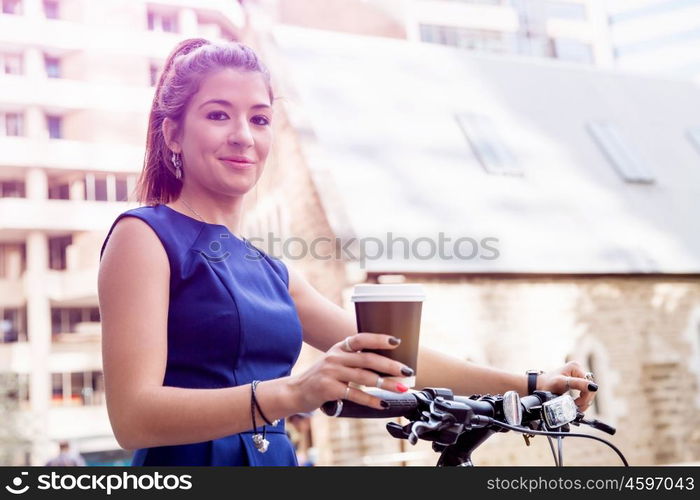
(418, 429)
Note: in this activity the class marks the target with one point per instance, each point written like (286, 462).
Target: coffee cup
(392, 309)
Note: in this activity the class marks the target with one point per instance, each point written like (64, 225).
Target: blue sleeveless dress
(231, 320)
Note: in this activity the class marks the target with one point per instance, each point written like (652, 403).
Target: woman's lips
(241, 165)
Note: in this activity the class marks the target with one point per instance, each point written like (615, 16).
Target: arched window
(592, 365)
(591, 352)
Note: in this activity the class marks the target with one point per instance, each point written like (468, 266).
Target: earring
(177, 163)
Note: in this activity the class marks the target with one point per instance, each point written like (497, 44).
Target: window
(16, 387)
(122, 190)
(95, 188)
(154, 72)
(572, 50)
(53, 124)
(13, 325)
(694, 137)
(57, 252)
(466, 38)
(12, 7)
(618, 152)
(486, 143)
(11, 124)
(107, 187)
(53, 66)
(59, 191)
(566, 10)
(57, 388)
(485, 2)
(158, 21)
(12, 189)
(11, 64)
(66, 319)
(94, 314)
(13, 257)
(51, 9)
(85, 388)
(592, 363)
(101, 189)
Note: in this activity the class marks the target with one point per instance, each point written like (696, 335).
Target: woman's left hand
(570, 376)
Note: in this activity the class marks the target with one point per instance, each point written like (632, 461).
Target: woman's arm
(326, 323)
(133, 289)
(134, 311)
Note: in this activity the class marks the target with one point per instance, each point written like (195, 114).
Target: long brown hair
(184, 70)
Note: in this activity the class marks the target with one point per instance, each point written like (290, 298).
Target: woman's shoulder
(172, 232)
(131, 228)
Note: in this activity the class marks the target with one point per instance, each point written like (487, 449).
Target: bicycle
(457, 425)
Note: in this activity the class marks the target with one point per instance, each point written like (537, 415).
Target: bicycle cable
(525, 430)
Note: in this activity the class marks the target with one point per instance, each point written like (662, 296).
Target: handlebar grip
(602, 426)
(400, 405)
(534, 400)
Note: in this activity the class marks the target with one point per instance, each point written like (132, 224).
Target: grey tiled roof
(379, 116)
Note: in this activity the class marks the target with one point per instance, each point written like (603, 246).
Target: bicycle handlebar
(457, 424)
(409, 403)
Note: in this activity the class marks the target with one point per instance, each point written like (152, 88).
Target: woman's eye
(215, 114)
(261, 120)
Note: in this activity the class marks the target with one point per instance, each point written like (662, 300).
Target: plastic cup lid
(404, 292)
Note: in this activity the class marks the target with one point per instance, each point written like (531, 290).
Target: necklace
(192, 209)
(202, 218)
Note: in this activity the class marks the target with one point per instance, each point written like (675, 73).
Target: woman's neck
(226, 212)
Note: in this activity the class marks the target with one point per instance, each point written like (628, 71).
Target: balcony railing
(84, 332)
(78, 421)
(59, 215)
(70, 36)
(11, 294)
(70, 155)
(64, 287)
(66, 94)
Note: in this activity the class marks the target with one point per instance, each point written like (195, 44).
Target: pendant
(261, 444)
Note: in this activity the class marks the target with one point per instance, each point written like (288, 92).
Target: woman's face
(228, 119)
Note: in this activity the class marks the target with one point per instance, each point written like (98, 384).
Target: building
(569, 30)
(587, 178)
(656, 36)
(77, 82)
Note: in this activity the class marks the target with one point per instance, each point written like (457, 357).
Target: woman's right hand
(328, 379)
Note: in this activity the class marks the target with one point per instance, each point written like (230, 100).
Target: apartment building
(76, 83)
(656, 36)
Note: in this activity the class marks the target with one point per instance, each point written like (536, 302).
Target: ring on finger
(347, 391)
(380, 381)
(338, 408)
(568, 383)
(346, 345)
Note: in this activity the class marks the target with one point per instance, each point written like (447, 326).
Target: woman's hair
(187, 65)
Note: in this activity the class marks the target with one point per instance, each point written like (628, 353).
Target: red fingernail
(401, 387)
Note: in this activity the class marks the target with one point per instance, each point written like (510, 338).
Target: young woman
(198, 337)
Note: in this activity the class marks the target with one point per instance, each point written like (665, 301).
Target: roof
(379, 122)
